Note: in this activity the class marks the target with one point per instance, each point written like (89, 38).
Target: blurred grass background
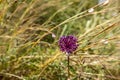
(30, 30)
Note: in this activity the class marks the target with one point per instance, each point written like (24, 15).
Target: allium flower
(68, 44)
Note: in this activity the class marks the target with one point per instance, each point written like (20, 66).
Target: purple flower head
(68, 44)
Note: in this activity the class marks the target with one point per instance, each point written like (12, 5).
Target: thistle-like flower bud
(68, 44)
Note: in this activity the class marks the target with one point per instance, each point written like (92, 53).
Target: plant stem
(68, 66)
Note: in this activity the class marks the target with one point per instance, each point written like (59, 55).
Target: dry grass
(30, 29)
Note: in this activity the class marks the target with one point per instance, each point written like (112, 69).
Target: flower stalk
(68, 44)
(68, 59)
